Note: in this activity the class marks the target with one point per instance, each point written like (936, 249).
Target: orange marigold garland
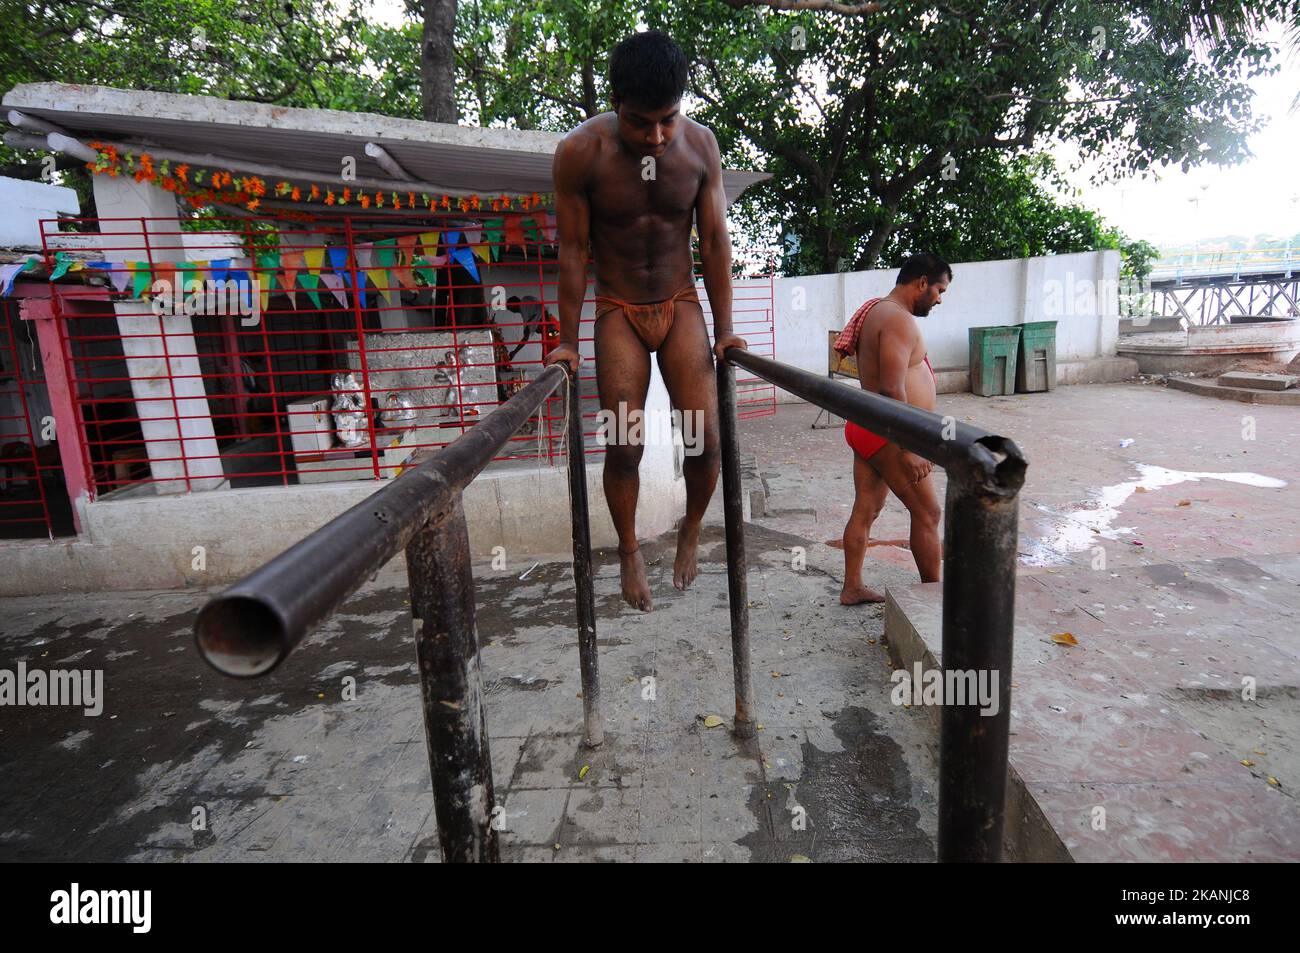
(222, 185)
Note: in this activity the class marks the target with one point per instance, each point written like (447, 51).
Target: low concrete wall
(1213, 348)
(149, 542)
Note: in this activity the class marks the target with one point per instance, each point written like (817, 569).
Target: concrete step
(1257, 381)
(1246, 395)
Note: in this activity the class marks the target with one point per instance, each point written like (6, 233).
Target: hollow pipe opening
(240, 637)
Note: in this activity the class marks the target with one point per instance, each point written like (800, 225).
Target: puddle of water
(1075, 531)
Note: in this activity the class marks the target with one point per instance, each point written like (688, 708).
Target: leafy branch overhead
(862, 116)
(887, 126)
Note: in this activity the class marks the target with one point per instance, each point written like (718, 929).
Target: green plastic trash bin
(993, 360)
(1036, 363)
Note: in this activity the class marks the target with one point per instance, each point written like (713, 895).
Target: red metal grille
(231, 393)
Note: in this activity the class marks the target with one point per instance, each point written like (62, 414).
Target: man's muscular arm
(715, 248)
(573, 223)
(894, 351)
(894, 348)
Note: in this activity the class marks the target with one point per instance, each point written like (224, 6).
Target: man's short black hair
(513, 299)
(924, 265)
(647, 69)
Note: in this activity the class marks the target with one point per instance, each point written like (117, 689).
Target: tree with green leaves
(886, 127)
(326, 54)
(865, 113)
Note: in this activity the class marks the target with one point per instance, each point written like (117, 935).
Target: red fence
(28, 508)
(254, 353)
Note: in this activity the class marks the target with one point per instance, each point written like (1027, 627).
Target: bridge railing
(1187, 263)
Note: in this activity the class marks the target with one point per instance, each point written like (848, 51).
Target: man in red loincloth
(892, 361)
(628, 183)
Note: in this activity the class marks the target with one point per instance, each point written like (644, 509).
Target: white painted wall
(1079, 292)
(25, 204)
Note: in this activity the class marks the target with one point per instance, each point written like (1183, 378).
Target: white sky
(1260, 196)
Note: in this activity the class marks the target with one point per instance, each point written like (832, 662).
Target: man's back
(640, 227)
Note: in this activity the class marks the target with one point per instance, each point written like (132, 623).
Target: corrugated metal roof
(312, 140)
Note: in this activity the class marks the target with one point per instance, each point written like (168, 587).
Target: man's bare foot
(856, 595)
(631, 571)
(685, 566)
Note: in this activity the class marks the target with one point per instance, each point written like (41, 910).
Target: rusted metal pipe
(979, 594)
(737, 578)
(593, 732)
(985, 473)
(253, 625)
(943, 440)
(451, 688)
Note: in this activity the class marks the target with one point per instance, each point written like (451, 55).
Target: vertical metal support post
(737, 586)
(451, 686)
(61, 386)
(979, 593)
(593, 732)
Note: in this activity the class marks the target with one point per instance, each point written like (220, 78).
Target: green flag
(424, 271)
(493, 229)
(141, 278)
(61, 264)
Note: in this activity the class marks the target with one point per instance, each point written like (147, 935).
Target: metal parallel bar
(593, 731)
(451, 687)
(979, 595)
(737, 569)
(985, 474)
(252, 626)
(942, 440)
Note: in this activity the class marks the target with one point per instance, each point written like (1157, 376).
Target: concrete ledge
(1246, 395)
(956, 380)
(1027, 834)
(148, 542)
(1098, 370)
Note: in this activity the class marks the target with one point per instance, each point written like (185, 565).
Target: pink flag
(335, 284)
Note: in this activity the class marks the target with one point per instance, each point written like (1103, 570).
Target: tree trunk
(879, 235)
(437, 62)
(589, 89)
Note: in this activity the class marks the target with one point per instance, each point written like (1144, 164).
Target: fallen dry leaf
(1247, 762)
(1064, 638)
(712, 721)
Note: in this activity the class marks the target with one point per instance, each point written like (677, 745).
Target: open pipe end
(240, 637)
(1002, 465)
